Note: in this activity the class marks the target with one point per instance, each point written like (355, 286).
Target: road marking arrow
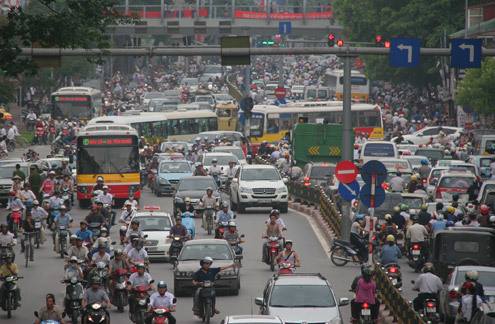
(409, 51)
(471, 50)
(354, 193)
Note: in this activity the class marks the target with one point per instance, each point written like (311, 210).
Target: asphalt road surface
(44, 274)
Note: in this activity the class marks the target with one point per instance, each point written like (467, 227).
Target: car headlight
(245, 190)
(163, 181)
(179, 200)
(229, 273)
(282, 190)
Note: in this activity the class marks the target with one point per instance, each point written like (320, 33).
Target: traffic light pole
(247, 93)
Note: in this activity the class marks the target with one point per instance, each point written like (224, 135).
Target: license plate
(394, 282)
(37, 225)
(431, 309)
(400, 242)
(150, 248)
(416, 252)
(264, 201)
(366, 312)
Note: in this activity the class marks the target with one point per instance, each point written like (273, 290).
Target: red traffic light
(340, 42)
(378, 38)
(331, 37)
(386, 44)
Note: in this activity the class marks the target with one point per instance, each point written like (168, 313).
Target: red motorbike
(40, 135)
(160, 315)
(119, 293)
(16, 217)
(273, 250)
(286, 268)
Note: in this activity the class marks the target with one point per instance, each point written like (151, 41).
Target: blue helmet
(424, 162)
(359, 217)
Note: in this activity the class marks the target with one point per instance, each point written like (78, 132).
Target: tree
(427, 20)
(477, 89)
(54, 23)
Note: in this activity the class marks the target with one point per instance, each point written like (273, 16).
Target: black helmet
(161, 284)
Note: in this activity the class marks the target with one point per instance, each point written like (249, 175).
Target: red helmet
(484, 210)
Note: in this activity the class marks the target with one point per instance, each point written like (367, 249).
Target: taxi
(155, 226)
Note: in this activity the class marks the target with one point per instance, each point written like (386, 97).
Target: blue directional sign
(349, 191)
(366, 197)
(375, 168)
(465, 53)
(284, 27)
(404, 52)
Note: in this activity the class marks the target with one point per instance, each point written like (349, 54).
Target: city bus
(76, 103)
(272, 123)
(334, 79)
(110, 151)
(179, 125)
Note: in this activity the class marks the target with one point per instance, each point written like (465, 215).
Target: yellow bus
(334, 79)
(227, 116)
(110, 151)
(272, 123)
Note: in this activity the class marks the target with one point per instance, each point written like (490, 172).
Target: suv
(6, 173)
(291, 296)
(258, 185)
(318, 173)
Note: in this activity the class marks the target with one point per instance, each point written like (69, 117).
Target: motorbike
(208, 214)
(273, 250)
(429, 311)
(365, 314)
(235, 246)
(15, 219)
(342, 252)
(138, 316)
(394, 274)
(37, 315)
(95, 228)
(416, 257)
(38, 224)
(110, 213)
(220, 230)
(175, 248)
(96, 314)
(66, 197)
(159, 315)
(73, 298)
(9, 298)
(122, 233)
(206, 305)
(119, 295)
(40, 136)
(62, 240)
(286, 268)
(400, 240)
(52, 133)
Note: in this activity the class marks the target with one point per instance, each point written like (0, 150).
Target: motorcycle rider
(428, 284)
(397, 183)
(208, 200)
(118, 261)
(48, 185)
(162, 298)
(95, 216)
(189, 223)
(424, 217)
(199, 170)
(133, 229)
(73, 269)
(101, 256)
(127, 214)
(232, 236)
(232, 169)
(398, 219)
(78, 250)
(137, 254)
(84, 233)
(356, 239)
(417, 234)
(62, 219)
(106, 198)
(39, 214)
(141, 277)
(95, 294)
(390, 253)
(8, 268)
(279, 220)
(272, 230)
(99, 184)
(472, 276)
(388, 228)
(470, 302)
(365, 293)
(134, 203)
(206, 273)
(289, 255)
(50, 312)
(215, 171)
(178, 229)
(424, 169)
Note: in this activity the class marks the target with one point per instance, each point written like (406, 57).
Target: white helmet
(100, 265)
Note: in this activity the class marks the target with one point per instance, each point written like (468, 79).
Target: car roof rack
(308, 274)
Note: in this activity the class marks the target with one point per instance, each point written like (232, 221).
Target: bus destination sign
(107, 141)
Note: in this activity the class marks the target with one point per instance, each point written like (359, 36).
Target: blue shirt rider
(224, 215)
(188, 222)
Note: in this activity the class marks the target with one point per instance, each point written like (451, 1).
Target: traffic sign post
(404, 52)
(284, 27)
(346, 171)
(465, 53)
(349, 191)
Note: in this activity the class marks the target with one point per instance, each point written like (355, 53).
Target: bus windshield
(72, 106)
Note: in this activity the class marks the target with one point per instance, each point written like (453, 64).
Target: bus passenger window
(273, 127)
(212, 124)
(203, 125)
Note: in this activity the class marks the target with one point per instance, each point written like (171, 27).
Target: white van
(378, 150)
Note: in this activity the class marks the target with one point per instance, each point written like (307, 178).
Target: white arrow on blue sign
(349, 191)
(465, 53)
(404, 52)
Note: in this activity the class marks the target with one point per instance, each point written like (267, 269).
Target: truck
(318, 142)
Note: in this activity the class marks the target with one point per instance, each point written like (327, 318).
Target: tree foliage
(477, 89)
(54, 23)
(427, 20)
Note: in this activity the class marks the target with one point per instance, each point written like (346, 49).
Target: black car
(194, 188)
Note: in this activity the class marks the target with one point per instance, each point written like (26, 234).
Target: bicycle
(28, 248)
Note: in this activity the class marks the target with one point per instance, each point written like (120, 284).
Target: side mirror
(146, 236)
(235, 180)
(36, 314)
(285, 180)
(258, 301)
(235, 216)
(174, 300)
(420, 135)
(243, 236)
(344, 301)
(152, 281)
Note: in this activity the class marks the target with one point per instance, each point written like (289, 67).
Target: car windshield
(199, 251)
(236, 151)
(150, 223)
(222, 159)
(413, 202)
(302, 296)
(321, 172)
(431, 154)
(196, 184)
(470, 168)
(486, 278)
(396, 164)
(175, 167)
(391, 200)
(456, 182)
(260, 174)
(379, 150)
(223, 97)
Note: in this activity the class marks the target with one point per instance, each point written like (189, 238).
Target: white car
(236, 150)
(424, 135)
(156, 225)
(258, 185)
(223, 159)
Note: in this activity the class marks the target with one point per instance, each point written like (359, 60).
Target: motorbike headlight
(245, 190)
(282, 190)
(142, 302)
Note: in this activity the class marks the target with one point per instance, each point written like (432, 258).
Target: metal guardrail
(401, 310)
(233, 89)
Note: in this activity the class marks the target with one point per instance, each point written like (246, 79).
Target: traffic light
(331, 40)
(340, 42)
(386, 44)
(378, 39)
